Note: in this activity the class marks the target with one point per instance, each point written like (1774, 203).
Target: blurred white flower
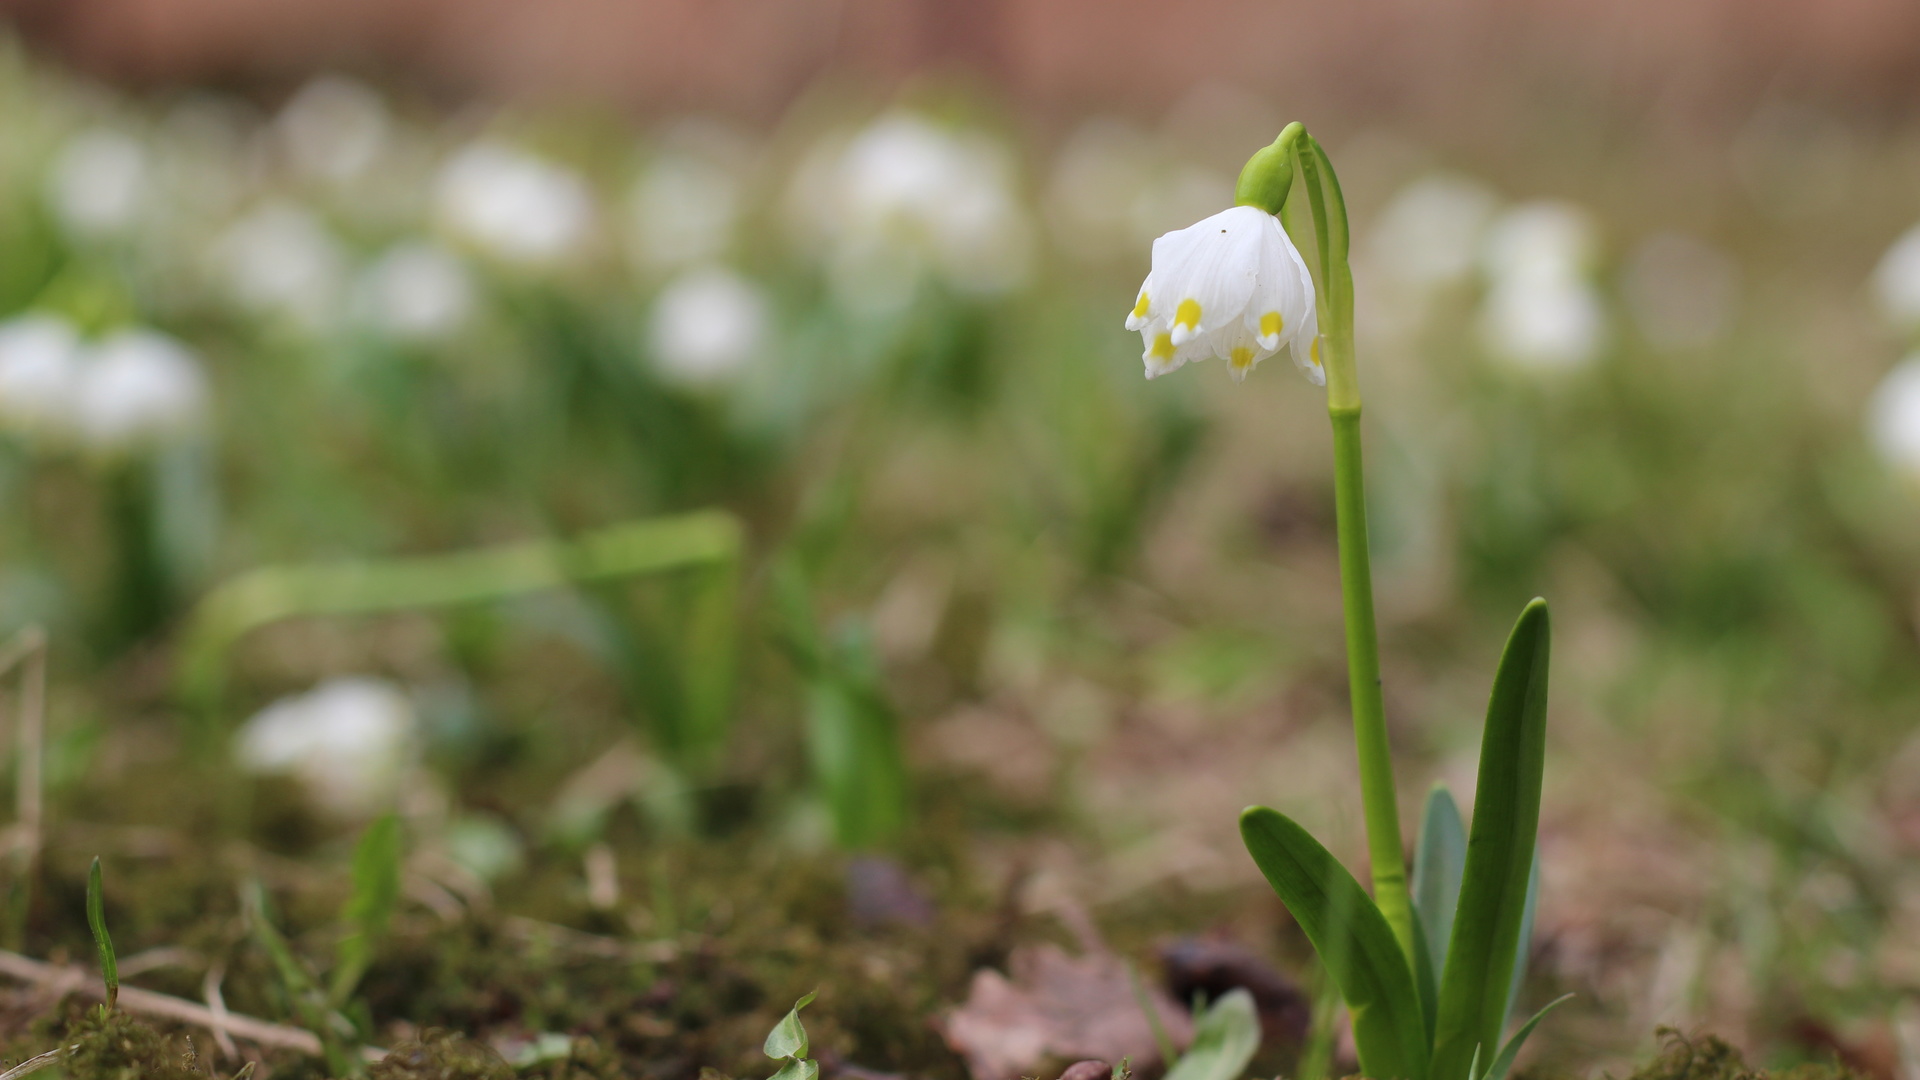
(904, 196)
(1680, 290)
(1541, 311)
(282, 258)
(347, 742)
(98, 183)
(137, 388)
(1896, 282)
(1429, 234)
(512, 204)
(39, 368)
(1231, 286)
(334, 128)
(1893, 417)
(685, 203)
(416, 290)
(1102, 173)
(707, 325)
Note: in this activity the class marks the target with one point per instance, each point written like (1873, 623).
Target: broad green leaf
(103, 941)
(788, 1039)
(1506, 820)
(1498, 1070)
(1526, 942)
(1438, 863)
(1425, 979)
(798, 1069)
(853, 738)
(376, 892)
(1224, 1040)
(1352, 938)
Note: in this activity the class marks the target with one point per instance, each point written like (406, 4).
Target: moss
(1706, 1057)
(441, 1055)
(115, 1047)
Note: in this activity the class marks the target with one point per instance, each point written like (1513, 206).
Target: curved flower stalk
(1237, 286)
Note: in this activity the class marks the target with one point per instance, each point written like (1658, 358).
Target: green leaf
(376, 892)
(798, 1069)
(1525, 945)
(1352, 938)
(1506, 820)
(1224, 1040)
(1438, 863)
(1498, 1070)
(788, 1039)
(103, 941)
(853, 739)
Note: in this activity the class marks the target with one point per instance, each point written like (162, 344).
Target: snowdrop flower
(347, 742)
(1430, 232)
(416, 290)
(1231, 286)
(1893, 417)
(138, 387)
(1896, 282)
(513, 204)
(707, 325)
(282, 258)
(39, 365)
(98, 183)
(334, 128)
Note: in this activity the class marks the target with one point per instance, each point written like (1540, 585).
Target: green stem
(1377, 791)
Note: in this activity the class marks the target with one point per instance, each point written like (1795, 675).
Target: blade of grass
(1506, 818)
(376, 892)
(103, 941)
(1353, 940)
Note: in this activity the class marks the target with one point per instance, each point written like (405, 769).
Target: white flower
(516, 206)
(347, 742)
(39, 366)
(98, 183)
(416, 290)
(282, 258)
(1893, 417)
(707, 325)
(684, 205)
(1231, 286)
(1541, 310)
(1543, 239)
(1429, 233)
(138, 387)
(1896, 281)
(333, 128)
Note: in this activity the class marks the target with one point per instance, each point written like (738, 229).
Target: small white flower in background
(512, 204)
(98, 183)
(282, 258)
(1681, 290)
(707, 326)
(1893, 417)
(39, 369)
(905, 196)
(347, 741)
(138, 388)
(1430, 232)
(686, 202)
(1231, 286)
(334, 128)
(416, 290)
(1541, 311)
(1896, 282)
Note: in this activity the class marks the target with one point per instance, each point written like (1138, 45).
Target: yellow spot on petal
(1140, 307)
(1241, 358)
(1271, 323)
(1187, 314)
(1313, 352)
(1162, 347)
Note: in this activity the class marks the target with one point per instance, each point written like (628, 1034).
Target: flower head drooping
(1231, 286)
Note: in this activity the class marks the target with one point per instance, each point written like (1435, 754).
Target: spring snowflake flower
(1231, 286)
(282, 258)
(1430, 232)
(334, 128)
(138, 388)
(1896, 282)
(416, 291)
(707, 326)
(517, 206)
(1542, 312)
(98, 183)
(1893, 417)
(347, 742)
(39, 365)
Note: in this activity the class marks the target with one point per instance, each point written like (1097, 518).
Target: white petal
(1211, 265)
(1142, 312)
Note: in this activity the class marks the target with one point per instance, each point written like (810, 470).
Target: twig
(33, 1064)
(73, 980)
(217, 1005)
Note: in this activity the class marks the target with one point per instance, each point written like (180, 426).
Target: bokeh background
(287, 282)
